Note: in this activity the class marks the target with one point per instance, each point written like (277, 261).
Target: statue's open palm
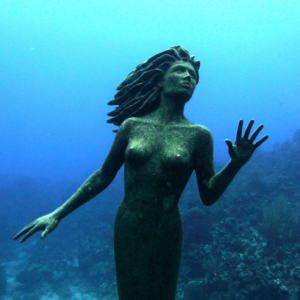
(46, 223)
(243, 147)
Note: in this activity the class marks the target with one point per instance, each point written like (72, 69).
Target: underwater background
(60, 63)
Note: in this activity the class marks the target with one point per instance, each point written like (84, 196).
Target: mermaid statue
(160, 148)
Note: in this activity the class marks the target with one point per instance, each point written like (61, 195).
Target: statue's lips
(186, 85)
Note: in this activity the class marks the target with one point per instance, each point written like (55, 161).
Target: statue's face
(179, 81)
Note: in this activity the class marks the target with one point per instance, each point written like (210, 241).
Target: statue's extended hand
(243, 147)
(46, 223)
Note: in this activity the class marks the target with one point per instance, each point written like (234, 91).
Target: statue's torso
(159, 161)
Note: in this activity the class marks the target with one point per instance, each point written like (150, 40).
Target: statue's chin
(183, 95)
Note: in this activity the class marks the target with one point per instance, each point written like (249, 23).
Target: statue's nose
(187, 76)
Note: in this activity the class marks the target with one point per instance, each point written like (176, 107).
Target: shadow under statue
(160, 149)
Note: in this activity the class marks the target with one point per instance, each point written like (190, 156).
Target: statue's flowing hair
(139, 93)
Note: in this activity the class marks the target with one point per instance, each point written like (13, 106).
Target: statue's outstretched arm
(211, 186)
(94, 185)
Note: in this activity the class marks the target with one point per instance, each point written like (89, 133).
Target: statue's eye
(179, 71)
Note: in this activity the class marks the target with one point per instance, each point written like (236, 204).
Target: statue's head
(139, 94)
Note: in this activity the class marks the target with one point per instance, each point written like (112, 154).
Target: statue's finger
(239, 131)
(256, 132)
(29, 234)
(46, 232)
(248, 129)
(229, 144)
(258, 143)
(24, 230)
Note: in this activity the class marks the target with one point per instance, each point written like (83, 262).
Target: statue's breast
(138, 152)
(176, 158)
(169, 153)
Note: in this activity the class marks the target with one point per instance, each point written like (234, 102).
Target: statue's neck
(170, 110)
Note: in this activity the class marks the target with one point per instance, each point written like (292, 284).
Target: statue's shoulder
(201, 133)
(129, 124)
(132, 120)
(137, 121)
(200, 129)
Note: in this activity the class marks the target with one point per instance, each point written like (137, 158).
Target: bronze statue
(160, 149)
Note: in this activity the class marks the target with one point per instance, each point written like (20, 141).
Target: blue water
(61, 61)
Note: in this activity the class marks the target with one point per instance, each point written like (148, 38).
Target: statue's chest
(171, 150)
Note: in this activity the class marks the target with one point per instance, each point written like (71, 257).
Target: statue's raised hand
(243, 147)
(46, 223)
